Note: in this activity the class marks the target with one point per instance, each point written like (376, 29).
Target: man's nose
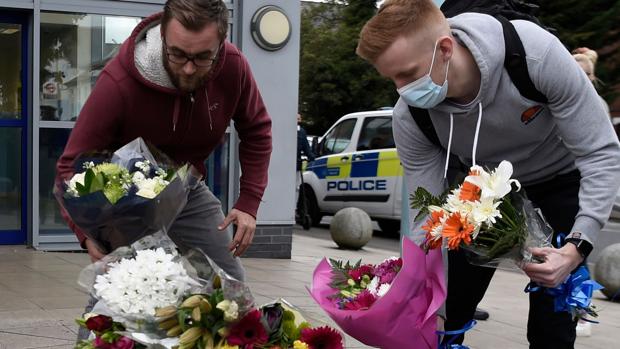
(189, 68)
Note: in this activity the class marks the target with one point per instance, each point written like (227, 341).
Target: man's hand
(93, 251)
(559, 263)
(246, 225)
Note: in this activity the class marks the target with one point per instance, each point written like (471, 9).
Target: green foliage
(334, 81)
(422, 199)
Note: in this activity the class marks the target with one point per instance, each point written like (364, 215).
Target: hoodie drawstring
(175, 115)
(209, 110)
(445, 170)
(475, 147)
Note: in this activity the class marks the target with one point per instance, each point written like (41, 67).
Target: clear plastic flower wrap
(512, 251)
(134, 294)
(487, 215)
(118, 198)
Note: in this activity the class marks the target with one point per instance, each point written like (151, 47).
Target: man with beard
(177, 83)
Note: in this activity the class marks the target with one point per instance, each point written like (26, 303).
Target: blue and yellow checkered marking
(376, 164)
(366, 166)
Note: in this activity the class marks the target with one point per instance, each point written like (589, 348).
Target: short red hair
(394, 18)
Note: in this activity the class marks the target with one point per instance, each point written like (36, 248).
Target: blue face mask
(424, 93)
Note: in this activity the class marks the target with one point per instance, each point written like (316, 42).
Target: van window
(376, 134)
(337, 140)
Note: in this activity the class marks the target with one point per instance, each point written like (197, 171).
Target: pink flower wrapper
(405, 317)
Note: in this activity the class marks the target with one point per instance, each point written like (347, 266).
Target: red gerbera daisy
(248, 331)
(322, 338)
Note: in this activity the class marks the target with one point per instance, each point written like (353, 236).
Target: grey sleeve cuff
(588, 227)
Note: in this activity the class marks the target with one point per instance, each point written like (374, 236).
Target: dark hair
(195, 14)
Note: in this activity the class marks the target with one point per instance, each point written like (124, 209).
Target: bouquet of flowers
(402, 314)
(485, 216)
(360, 285)
(206, 321)
(117, 199)
(152, 297)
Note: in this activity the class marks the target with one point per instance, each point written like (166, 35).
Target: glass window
(217, 172)
(337, 140)
(52, 143)
(10, 178)
(376, 134)
(74, 50)
(10, 69)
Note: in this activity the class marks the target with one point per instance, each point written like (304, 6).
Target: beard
(183, 82)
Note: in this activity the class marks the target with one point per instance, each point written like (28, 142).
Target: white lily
(77, 178)
(496, 184)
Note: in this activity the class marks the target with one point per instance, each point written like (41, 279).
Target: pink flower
(99, 343)
(357, 273)
(387, 270)
(123, 343)
(363, 301)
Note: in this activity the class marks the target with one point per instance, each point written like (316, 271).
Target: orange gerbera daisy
(457, 229)
(469, 192)
(433, 222)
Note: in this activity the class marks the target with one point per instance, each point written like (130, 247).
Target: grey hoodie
(571, 131)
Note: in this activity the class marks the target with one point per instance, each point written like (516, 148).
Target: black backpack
(514, 62)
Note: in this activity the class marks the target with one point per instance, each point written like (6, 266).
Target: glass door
(13, 129)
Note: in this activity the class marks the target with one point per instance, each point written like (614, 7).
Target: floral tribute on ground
(150, 296)
(389, 305)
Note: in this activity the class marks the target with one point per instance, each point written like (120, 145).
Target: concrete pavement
(39, 297)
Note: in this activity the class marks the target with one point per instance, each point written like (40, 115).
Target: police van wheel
(389, 225)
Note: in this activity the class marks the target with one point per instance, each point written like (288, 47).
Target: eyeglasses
(202, 60)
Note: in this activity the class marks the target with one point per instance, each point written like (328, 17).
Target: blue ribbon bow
(449, 345)
(574, 295)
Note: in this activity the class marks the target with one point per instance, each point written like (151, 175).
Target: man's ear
(445, 46)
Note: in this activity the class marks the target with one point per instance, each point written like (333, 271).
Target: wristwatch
(583, 246)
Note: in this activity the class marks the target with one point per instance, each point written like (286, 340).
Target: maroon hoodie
(129, 102)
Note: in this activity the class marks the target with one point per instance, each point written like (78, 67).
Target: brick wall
(271, 242)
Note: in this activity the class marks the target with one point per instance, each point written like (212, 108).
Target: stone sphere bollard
(351, 228)
(607, 271)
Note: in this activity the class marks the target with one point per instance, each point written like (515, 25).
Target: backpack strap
(516, 64)
(423, 119)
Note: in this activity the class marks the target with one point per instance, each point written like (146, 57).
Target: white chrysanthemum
(496, 184)
(373, 286)
(230, 309)
(137, 286)
(77, 178)
(383, 289)
(454, 204)
(486, 211)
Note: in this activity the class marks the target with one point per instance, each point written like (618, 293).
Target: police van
(356, 165)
